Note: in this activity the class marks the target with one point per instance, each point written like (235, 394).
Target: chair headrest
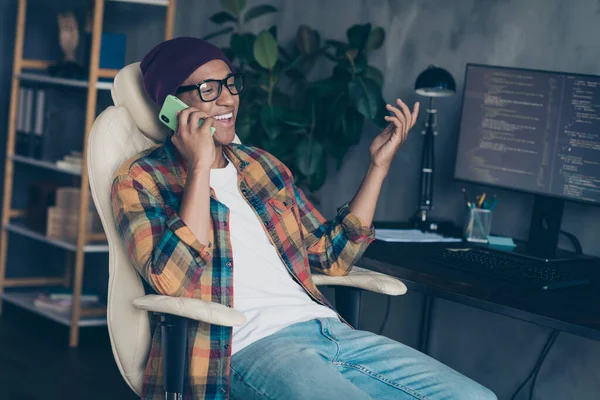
(128, 92)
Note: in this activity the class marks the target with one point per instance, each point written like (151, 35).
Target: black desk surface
(575, 310)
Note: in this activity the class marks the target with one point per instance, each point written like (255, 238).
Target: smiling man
(203, 217)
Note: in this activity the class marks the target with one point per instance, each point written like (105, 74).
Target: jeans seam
(328, 336)
(261, 394)
(383, 379)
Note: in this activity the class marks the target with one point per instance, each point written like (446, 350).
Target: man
(202, 217)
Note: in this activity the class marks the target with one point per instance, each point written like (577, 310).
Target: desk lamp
(433, 82)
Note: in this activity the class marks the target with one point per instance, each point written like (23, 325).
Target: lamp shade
(435, 82)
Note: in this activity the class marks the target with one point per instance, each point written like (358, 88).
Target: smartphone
(169, 110)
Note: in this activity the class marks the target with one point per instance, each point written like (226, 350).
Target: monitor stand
(544, 232)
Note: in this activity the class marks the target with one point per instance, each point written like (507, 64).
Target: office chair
(120, 132)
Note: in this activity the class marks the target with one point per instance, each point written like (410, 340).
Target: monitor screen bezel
(505, 187)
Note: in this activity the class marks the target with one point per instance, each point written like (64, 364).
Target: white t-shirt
(263, 288)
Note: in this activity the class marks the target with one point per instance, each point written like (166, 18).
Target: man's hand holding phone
(194, 140)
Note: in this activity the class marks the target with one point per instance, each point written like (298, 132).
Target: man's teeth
(224, 116)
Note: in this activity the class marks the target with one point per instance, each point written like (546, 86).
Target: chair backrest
(120, 132)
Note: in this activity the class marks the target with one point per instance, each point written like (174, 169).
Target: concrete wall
(546, 34)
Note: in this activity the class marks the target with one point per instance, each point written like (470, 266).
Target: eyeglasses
(210, 89)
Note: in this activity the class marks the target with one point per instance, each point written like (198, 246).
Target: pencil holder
(478, 224)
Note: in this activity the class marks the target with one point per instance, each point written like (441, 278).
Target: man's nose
(226, 98)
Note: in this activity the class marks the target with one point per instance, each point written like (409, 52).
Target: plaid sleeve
(333, 246)
(160, 245)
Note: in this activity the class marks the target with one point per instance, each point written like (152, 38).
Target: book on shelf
(30, 122)
(38, 130)
(24, 111)
(22, 139)
(63, 218)
(72, 162)
(68, 295)
(63, 302)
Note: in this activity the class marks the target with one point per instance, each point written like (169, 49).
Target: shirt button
(266, 223)
(223, 390)
(228, 264)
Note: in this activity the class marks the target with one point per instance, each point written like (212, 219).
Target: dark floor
(36, 362)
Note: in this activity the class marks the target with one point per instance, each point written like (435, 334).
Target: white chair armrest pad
(195, 309)
(363, 279)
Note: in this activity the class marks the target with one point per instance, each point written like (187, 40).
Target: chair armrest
(195, 309)
(363, 279)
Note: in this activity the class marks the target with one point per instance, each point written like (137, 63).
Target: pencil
(481, 200)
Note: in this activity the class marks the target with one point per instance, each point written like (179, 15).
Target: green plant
(299, 120)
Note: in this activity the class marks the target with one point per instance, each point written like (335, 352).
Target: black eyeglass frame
(222, 82)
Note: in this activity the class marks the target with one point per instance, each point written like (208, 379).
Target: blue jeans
(326, 359)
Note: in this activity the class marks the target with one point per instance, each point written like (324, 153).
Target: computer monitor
(536, 132)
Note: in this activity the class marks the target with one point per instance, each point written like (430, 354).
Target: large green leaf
(341, 75)
(328, 86)
(270, 119)
(242, 46)
(284, 54)
(366, 96)
(308, 154)
(358, 36)
(273, 30)
(354, 66)
(376, 38)
(352, 126)
(340, 47)
(228, 53)
(303, 63)
(234, 6)
(337, 151)
(220, 32)
(360, 64)
(351, 54)
(258, 11)
(337, 112)
(222, 17)
(307, 39)
(375, 74)
(294, 118)
(295, 75)
(282, 147)
(380, 117)
(265, 50)
(244, 126)
(317, 179)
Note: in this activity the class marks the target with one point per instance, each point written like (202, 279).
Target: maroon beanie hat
(170, 63)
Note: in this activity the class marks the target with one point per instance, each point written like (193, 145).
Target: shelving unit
(22, 290)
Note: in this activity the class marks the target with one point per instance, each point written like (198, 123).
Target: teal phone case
(169, 110)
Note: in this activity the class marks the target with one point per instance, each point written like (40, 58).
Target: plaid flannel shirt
(146, 195)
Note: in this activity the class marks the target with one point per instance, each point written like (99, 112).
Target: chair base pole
(174, 348)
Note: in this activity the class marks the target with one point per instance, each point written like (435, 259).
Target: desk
(574, 310)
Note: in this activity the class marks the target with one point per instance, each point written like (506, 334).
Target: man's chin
(224, 136)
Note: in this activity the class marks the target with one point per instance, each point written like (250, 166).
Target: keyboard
(517, 270)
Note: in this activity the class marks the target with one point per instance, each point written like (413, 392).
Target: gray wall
(546, 34)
